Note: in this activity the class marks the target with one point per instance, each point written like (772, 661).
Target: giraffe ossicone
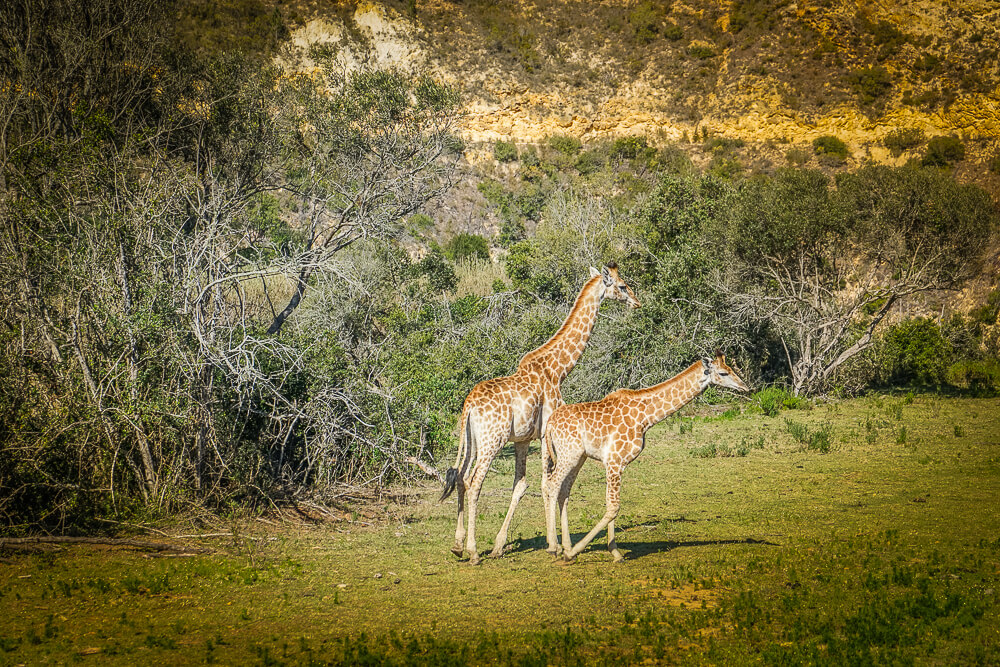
(516, 408)
(613, 432)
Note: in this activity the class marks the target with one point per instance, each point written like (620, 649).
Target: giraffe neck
(560, 352)
(670, 396)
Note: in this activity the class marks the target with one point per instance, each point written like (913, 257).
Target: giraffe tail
(465, 441)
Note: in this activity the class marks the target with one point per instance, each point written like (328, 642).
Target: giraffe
(517, 407)
(613, 431)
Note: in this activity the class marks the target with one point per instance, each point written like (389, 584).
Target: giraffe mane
(550, 343)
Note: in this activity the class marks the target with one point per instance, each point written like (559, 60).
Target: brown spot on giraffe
(516, 408)
(598, 430)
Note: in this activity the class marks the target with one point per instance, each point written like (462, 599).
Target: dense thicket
(210, 292)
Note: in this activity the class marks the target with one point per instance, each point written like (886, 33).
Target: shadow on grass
(633, 550)
(630, 549)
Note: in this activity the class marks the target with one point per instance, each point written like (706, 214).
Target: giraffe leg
(459, 547)
(550, 493)
(564, 488)
(612, 545)
(461, 486)
(614, 482)
(489, 446)
(520, 486)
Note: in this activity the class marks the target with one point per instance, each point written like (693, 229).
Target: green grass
(882, 550)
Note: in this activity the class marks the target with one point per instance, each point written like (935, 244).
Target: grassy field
(855, 532)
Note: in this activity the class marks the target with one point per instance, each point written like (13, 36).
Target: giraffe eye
(723, 373)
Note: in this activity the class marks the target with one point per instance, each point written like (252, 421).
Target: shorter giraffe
(613, 431)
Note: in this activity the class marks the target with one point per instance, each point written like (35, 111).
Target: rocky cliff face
(764, 71)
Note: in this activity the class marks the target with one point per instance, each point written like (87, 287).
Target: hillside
(772, 73)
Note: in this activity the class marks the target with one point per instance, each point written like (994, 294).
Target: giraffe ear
(594, 272)
(719, 355)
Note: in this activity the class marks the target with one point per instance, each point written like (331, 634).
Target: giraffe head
(718, 372)
(615, 286)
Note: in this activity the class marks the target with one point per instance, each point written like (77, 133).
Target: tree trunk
(293, 303)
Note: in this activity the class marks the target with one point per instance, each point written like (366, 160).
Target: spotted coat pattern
(613, 432)
(516, 408)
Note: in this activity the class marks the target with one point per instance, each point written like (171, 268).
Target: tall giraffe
(516, 407)
(613, 431)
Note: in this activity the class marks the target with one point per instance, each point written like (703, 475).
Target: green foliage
(420, 223)
(247, 26)
(464, 245)
(994, 164)
(504, 151)
(832, 147)
(943, 151)
(701, 51)
(565, 144)
(645, 20)
(763, 15)
(629, 148)
(819, 440)
(980, 376)
(870, 83)
(771, 400)
(798, 156)
(917, 352)
(903, 139)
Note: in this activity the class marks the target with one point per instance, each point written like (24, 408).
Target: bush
(629, 148)
(465, 245)
(797, 156)
(917, 352)
(771, 400)
(943, 151)
(438, 271)
(979, 376)
(504, 151)
(870, 83)
(831, 146)
(903, 139)
(565, 144)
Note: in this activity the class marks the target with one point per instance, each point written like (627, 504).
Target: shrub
(979, 376)
(629, 148)
(588, 162)
(771, 400)
(645, 22)
(943, 151)
(831, 146)
(917, 352)
(438, 271)
(467, 245)
(419, 223)
(504, 151)
(903, 139)
(701, 51)
(797, 156)
(870, 83)
(565, 144)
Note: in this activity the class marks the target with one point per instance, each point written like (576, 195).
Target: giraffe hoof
(474, 559)
(458, 551)
(567, 560)
(617, 555)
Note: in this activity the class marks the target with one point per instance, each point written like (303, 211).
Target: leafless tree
(824, 267)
